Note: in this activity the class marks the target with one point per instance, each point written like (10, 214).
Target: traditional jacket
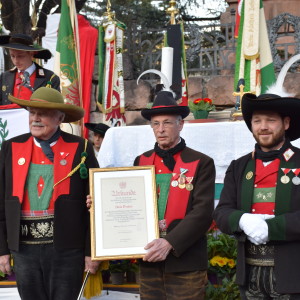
(71, 217)
(187, 235)
(43, 76)
(284, 228)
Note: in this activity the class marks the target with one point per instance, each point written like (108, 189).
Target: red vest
(178, 198)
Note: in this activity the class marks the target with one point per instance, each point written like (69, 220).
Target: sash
(178, 197)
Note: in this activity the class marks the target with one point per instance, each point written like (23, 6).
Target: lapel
(63, 164)
(21, 157)
(40, 77)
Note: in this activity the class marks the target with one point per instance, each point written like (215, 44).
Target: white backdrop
(223, 141)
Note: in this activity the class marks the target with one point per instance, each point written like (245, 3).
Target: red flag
(237, 18)
(88, 37)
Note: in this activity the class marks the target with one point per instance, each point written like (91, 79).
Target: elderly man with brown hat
(26, 76)
(44, 222)
(175, 265)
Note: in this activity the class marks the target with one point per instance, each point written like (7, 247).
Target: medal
(174, 183)
(63, 162)
(285, 179)
(189, 186)
(181, 179)
(296, 179)
(182, 186)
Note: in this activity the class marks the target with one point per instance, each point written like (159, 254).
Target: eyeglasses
(165, 124)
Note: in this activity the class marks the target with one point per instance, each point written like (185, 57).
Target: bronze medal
(174, 183)
(189, 186)
(296, 180)
(285, 179)
(182, 186)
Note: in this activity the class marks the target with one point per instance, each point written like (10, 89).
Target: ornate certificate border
(123, 213)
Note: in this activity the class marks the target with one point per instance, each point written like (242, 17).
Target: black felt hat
(285, 106)
(23, 42)
(97, 128)
(165, 104)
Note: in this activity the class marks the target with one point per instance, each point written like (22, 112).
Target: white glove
(255, 227)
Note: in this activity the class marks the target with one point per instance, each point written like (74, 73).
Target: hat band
(44, 101)
(20, 41)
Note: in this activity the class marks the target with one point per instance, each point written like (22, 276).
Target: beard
(273, 142)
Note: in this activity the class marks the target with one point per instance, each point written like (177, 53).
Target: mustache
(40, 124)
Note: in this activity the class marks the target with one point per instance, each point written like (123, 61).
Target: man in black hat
(44, 222)
(176, 263)
(260, 204)
(99, 131)
(27, 75)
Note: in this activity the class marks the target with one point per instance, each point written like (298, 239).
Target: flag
(175, 38)
(254, 60)
(237, 19)
(67, 53)
(88, 36)
(111, 96)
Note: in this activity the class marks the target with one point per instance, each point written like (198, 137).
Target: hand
(91, 265)
(255, 227)
(5, 264)
(89, 201)
(158, 250)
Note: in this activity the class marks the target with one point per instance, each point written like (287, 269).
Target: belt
(36, 229)
(259, 255)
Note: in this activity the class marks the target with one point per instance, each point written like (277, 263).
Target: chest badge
(249, 175)
(21, 161)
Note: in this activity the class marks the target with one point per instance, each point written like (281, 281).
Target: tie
(19, 78)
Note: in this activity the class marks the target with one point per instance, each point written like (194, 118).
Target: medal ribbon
(296, 171)
(285, 170)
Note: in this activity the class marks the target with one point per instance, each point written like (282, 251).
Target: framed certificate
(123, 212)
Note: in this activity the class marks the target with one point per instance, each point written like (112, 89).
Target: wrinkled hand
(158, 250)
(91, 265)
(89, 201)
(255, 227)
(5, 264)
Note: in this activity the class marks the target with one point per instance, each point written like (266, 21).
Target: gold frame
(149, 219)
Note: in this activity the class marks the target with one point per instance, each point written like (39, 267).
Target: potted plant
(117, 270)
(222, 253)
(132, 270)
(201, 107)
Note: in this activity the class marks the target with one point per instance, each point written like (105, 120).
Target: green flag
(66, 57)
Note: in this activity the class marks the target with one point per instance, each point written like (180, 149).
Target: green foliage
(3, 131)
(117, 266)
(222, 254)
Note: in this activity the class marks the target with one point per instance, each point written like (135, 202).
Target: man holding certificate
(175, 264)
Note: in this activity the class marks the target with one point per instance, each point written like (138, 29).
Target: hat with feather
(276, 99)
(164, 102)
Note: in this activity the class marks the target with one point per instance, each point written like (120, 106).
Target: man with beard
(260, 204)
(176, 263)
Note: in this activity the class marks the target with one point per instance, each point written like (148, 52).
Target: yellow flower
(231, 263)
(218, 260)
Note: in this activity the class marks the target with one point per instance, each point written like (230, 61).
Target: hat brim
(182, 111)
(40, 52)
(72, 113)
(285, 106)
